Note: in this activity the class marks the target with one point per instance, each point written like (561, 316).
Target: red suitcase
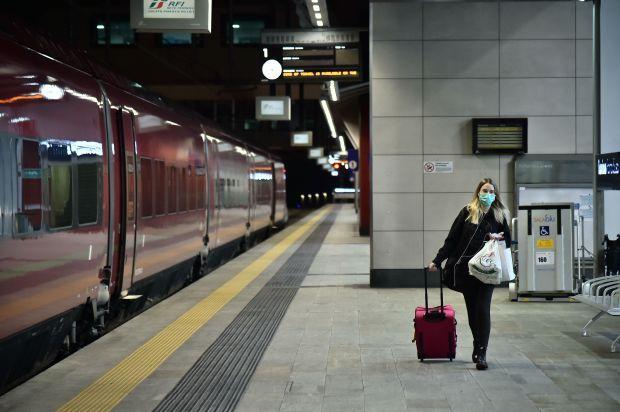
(435, 328)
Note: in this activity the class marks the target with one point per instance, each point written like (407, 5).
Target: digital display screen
(608, 171)
(272, 107)
(499, 135)
(315, 152)
(302, 139)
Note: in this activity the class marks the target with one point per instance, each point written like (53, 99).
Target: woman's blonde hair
(500, 211)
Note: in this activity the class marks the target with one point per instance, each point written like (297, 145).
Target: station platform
(292, 325)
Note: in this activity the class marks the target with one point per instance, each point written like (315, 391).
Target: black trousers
(478, 297)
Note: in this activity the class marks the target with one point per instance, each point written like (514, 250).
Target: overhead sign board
(301, 139)
(315, 152)
(314, 36)
(273, 108)
(156, 16)
(336, 74)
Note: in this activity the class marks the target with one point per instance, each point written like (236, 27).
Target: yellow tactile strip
(107, 391)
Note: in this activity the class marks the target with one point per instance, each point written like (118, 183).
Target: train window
(160, 192)
(87, 192)
(28, 216)
(61, 204)
(183, 191)
(191, 189)
(172, 190)
(146, 173)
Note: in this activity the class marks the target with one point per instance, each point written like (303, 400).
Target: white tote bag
(505, 256)
(486, 265)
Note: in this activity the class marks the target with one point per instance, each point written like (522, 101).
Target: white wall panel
(584, 58)
(397, 211)
(551, 135)
(396, 174)
(585, 96)
(537, 58)
(433, 241)
(537, 97)
(462, 97)
(396, 97)
(584, 20)
(468, 170)
(397, 250)
(537, 20)
(460, 21)
(506, 173)
(461, 59)
(584, 134)
(396, 135)
(396, 21)
(397, 59)
(447, 135)
(440, 209)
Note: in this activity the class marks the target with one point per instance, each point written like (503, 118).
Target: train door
(213, 197)
(129, 202)
(272, 217)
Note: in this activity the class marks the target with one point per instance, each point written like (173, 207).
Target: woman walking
(485, 217)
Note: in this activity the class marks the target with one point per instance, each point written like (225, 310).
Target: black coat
(456, 273)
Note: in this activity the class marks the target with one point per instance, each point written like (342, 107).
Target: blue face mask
(486, 199)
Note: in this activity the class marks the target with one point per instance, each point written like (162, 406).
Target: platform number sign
(544, 231)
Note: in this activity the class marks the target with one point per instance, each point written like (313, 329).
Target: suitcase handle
(426, 289)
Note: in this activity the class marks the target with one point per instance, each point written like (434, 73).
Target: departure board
(499, 135)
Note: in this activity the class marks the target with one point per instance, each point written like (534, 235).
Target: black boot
(474, 355)
(482, 365)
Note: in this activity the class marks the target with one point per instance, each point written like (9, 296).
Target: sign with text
(315, 153)
(273, 108)
(157, 16)
(431, 166)
(301, 139)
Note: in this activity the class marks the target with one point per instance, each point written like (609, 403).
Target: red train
(110, 199)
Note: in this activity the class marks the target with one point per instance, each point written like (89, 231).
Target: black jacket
(456, 275)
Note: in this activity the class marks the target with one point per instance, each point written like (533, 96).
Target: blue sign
(544, 231)
(352, 157)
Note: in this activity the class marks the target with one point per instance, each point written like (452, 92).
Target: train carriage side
(53, 174)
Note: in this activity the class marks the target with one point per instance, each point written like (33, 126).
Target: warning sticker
(545, 244)
(438, 167)
(545, 258)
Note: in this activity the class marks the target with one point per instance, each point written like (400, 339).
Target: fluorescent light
(343, 148)
(100, 27)
(318, 16)
(332, 86)
(315, 1)
(329, 118)
(334, 173)
(319, 23)
(316, 7)
(236, 26)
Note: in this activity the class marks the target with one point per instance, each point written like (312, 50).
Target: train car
(110, 200)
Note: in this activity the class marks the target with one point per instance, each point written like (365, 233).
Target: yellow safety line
(105, 393)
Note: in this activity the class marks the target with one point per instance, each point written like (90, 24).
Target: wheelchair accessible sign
(438, 167)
